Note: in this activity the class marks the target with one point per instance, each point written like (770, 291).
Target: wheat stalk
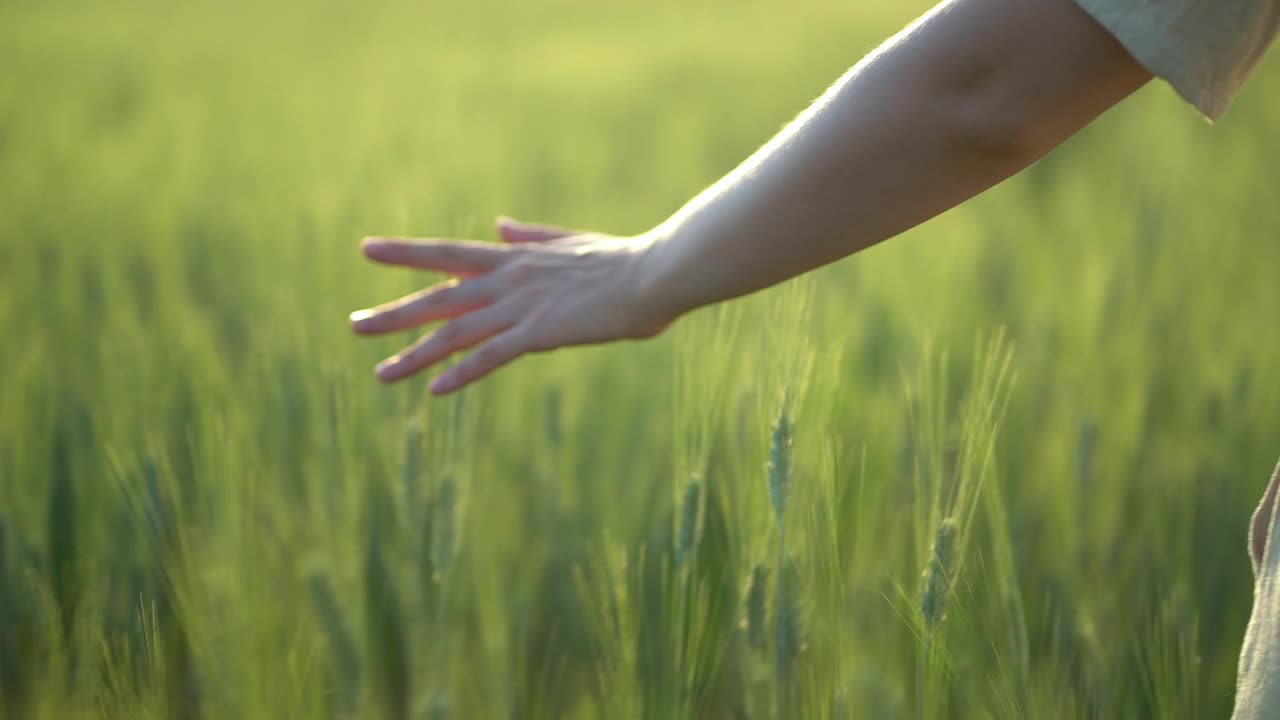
(779, 472)
(346, 658)
(755, 606)
(686, 541)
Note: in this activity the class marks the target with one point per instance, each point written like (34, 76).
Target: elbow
(1016, 111)
(992, 126)
(1007, 80)
(991, 105)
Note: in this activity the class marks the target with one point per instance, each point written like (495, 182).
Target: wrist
(656, 279)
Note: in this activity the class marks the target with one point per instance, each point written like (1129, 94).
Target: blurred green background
(208, 508)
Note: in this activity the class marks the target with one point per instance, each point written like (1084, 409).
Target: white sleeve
(1205, 49)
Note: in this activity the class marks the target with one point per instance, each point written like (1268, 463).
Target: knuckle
(540, 316)
(521, 301)
(521, 269)
(448, 334)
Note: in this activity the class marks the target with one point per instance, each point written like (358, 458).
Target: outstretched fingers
(439, 302)
(491, 355)
(456, 257)
(458, 334)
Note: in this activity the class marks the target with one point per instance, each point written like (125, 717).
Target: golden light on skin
(209, 507)
(937, 117)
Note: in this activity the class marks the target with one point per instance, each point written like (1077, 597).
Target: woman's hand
(545, 288)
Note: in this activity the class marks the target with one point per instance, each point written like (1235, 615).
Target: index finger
(456, 257)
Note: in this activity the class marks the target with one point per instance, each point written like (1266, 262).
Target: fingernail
(441, 384)
(361, 315)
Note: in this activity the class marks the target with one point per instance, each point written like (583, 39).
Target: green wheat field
(1000, 467)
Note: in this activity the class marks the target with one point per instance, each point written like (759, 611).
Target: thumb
(514, 231)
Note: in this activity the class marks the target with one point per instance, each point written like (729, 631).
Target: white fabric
(1205, 49)
(1258, 678)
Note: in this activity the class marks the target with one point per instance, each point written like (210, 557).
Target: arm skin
(965, 97)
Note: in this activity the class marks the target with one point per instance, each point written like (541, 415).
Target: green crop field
(999, 467)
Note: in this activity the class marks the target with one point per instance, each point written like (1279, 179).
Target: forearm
(964, 98)
(961, 100)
